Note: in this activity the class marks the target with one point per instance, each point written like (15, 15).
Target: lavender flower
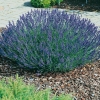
(50, 41)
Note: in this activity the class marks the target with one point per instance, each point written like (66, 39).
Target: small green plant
(45, 3)
(16, 89)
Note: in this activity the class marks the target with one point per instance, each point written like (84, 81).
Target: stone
(1, 8)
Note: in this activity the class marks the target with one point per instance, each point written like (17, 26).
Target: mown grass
(16, 89)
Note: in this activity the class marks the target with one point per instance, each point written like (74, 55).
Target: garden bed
(75, 5)
(83, 82)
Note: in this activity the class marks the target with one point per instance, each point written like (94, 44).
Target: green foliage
(16, 89)
(45, 3)
(58, 1)
(53, 2)
(35, 3)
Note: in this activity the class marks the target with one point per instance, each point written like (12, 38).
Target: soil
(75, 5)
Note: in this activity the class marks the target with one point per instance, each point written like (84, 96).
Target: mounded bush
(45, 3)
(50, 41)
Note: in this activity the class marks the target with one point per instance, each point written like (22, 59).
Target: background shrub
(35, 3)
(45, 3)
(50, 41)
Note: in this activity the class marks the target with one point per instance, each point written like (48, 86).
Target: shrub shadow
(27, 4)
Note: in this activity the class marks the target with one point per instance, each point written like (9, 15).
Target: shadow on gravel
(27, 4)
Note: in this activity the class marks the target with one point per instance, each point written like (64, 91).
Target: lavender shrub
(50, 41)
